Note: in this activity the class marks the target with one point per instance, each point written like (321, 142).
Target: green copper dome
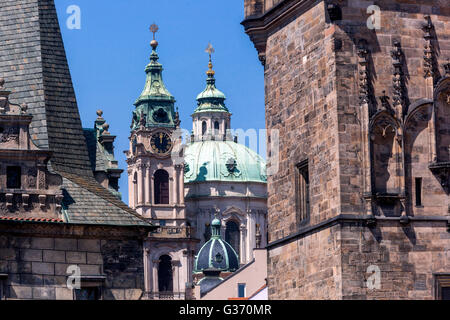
(216, 254)
(223, 161)
(211, 99)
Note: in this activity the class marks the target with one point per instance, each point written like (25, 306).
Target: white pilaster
(148, 184)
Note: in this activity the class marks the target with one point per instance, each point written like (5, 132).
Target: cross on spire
(154, 29)
(210, 50)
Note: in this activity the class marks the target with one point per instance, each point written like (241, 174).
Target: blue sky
(107, 57)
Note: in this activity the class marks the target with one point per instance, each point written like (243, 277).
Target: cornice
(259, 28)
(362, 220)
(64, 230)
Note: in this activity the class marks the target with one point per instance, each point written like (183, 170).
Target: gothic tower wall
(305, 116)
(403, 22)
(301, 104)
(366, 109)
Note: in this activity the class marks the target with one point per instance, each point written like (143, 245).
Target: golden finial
(154, 29)
(210, 50)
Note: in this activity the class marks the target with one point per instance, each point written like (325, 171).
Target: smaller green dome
(211, 99)
(211, 92)
(216, 254)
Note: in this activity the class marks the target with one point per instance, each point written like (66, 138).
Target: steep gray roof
(34, 64)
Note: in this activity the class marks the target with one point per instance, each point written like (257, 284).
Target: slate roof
(33, 63)
(87, 202)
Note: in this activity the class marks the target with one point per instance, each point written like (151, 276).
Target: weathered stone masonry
(369, 110)
(37, 267)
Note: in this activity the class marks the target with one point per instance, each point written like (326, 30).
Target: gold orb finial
(154, 29)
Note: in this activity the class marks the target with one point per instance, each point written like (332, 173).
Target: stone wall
(37, 267)
(407, 257)
(301, 105)
(253, 7)
(401, 21)
(325, 111)
(307, 268)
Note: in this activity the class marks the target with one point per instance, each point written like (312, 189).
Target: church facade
(181, 186)
(360, 206)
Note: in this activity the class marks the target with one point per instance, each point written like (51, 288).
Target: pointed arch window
(161, 187)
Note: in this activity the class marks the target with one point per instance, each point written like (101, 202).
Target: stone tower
(156, 186)
(359, 207)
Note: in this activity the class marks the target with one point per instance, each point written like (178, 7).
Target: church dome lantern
(211, 118)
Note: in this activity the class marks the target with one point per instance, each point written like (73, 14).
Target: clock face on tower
(161, 143)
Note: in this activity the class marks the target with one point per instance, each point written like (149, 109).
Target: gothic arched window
(232, 235)
(161, 187)
(203, 128)
(165, 277)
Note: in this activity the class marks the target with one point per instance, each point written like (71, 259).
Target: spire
(154, 44)
(210, 73)
(211, 99)
(211, 118)
(154, 85)
(155, 106)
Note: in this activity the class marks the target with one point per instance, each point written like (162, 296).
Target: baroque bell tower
(156, 186)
